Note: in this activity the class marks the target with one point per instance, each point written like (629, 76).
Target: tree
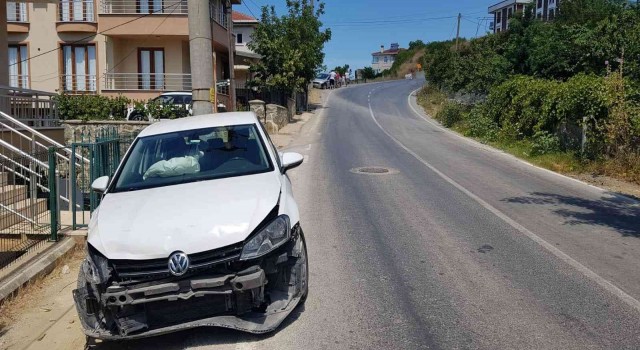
(290, 45)
(342, 70)
(368, 73)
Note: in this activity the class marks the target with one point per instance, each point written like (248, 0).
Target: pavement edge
(37, 266)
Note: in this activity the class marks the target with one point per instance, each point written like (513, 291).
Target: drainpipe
(4, 57)
(232, 53)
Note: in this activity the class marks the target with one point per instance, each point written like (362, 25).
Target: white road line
(510, 156)
(628, 299)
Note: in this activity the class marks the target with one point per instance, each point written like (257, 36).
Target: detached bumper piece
(256, 299)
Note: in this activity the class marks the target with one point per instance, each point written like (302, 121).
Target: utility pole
(458, 32)
(201, 56)
(232, 52)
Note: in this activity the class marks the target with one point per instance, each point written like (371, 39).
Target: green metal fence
(101, 152)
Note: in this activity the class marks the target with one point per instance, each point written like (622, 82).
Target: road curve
(457, 246)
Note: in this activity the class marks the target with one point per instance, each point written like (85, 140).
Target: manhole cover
(374, 170)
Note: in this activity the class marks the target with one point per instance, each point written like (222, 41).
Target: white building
(504, 10)
(383, 59)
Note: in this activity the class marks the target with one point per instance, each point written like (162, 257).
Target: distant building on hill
(383, 59)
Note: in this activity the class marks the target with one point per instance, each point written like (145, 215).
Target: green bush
(544, 143)
(451, 113)
(91, 107)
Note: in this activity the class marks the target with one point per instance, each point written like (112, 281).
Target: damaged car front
(211, 239)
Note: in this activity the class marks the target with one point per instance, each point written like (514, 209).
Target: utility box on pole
(201, 56)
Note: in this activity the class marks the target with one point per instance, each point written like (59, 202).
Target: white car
(177, 98)
(198, 227)
(321, 81)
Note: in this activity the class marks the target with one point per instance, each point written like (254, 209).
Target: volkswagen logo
(178, 263)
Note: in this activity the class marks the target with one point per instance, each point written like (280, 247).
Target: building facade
(137, 48)
(504, 10)
(383, 59)
(243, 27)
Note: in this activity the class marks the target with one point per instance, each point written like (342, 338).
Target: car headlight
(275, 234)
(95, 267)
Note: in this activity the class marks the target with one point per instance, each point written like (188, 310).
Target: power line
(251, 12)
(93, 35)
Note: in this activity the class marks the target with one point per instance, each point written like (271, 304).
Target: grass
(625, 168)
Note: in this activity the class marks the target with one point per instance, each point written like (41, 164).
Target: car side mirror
(100, 184)
(291, 160)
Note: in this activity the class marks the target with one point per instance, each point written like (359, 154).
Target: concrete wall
(273, 117)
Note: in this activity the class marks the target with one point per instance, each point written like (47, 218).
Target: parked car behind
(180, 99)
(321, 81)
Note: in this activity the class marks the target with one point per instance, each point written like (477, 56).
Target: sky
(359, 27)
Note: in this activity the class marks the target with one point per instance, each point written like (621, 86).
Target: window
(552, 14)
(539, 4)
(193, 155)
(16, 11)
(218, 12)
(79, 68)
(149, 6)
(239, 38)
(151, 69)
(386, 59)
(18, 66)
(375, 59)
(499, 17)
(76, 11)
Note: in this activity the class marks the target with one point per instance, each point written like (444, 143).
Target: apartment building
(383, 60)
(138, 48)
(504, 10)
(243, 27)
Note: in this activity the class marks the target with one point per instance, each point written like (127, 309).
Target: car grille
(155, 268)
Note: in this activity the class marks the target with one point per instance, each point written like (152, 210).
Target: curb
(38, 265)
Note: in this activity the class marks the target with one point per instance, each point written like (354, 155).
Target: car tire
(137, 116)
(305, 292)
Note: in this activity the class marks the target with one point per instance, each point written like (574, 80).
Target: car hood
(318, 80)
(191, 217)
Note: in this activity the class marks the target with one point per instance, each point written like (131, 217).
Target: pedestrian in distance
(332, 80)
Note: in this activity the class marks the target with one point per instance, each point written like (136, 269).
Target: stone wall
(273, 117)
(74, 128)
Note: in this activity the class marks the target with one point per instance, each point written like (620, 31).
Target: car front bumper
(256, 300)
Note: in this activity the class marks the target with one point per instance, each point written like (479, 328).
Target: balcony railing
(19, 81)
(218, 13)
(123, 7)
(78, 83)
(147, 81)
(76, 11)
(34, 108)
(16, 12)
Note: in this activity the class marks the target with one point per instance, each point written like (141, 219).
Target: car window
(193, 155)
(164, 99)
(187, 99)
(178, 100)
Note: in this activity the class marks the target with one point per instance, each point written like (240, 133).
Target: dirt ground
(42, 314)
(611, 184)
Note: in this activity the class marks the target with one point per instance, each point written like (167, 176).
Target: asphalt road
(457, 246)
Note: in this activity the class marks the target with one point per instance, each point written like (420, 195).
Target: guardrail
(147, 81)
(76, 11)
(124, 7)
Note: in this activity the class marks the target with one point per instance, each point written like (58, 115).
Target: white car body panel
(192, 217)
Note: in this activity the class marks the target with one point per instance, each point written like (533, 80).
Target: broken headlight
(95, 267)
(275, 234)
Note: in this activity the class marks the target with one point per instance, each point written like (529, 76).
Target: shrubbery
(98, 107)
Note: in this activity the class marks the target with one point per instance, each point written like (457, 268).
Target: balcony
(163, 17)
(76, 16)
(17, 17)
(145, 85)
(19, 81)
(78, 83)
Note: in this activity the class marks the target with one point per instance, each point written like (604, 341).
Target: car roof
(200, 122)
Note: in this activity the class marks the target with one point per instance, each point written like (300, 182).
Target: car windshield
(323, 76)
(193, 155)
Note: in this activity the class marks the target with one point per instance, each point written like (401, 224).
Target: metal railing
(76, 11)
(123, 7)
(34, 108)
(78, 83)
(104, 149)
(20, 81)
(17, 12)
(147, 81)
(218, 13)
(25, 218)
